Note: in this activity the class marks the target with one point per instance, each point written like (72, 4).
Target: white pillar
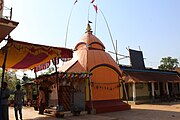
(167, 88)
(152, 85)
(134, 91)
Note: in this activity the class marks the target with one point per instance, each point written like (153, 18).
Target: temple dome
(90, 41)
(88, 54)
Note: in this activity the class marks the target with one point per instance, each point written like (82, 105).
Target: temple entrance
(161, 89)
(65, 97)
(67, 91)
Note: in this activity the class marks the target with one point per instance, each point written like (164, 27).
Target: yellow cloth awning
(23, 55)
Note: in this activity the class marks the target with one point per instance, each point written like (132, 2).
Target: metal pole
(3, 73)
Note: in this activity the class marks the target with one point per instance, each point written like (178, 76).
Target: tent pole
(57, 82)
(2, 78)
(36, 106)
(37, 83)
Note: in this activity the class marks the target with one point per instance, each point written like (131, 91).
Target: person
(41, 101)
(4, 101)
(18, 101)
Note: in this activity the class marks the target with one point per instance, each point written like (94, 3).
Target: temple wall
(142, 89)
(105, 84)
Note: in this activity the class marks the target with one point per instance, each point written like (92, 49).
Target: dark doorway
(170, 89)
(161, 89)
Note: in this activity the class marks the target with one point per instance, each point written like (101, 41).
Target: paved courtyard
(166, 111)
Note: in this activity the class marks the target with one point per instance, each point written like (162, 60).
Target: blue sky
(154, 25)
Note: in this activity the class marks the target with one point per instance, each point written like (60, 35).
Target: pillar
(167, 88)
(153, 94)
(134, 91)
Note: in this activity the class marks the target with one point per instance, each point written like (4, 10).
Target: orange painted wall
(105, 84)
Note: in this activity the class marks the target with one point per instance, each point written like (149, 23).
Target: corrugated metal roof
(149, 76)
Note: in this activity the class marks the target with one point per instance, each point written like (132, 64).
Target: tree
(168, 63)
(49, 70)
(11, 78)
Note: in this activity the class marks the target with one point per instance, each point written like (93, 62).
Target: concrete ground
(163, 111)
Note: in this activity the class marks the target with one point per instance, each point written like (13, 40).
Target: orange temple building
(103, 91)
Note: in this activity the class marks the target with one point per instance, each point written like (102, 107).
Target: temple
(104, 87)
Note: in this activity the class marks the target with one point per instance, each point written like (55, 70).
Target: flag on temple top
(96, 8)
(89, 21)
(75, 2)
(92, 1)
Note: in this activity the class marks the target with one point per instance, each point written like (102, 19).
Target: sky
(152, 26)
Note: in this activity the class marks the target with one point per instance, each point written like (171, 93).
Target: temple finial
(88, 29)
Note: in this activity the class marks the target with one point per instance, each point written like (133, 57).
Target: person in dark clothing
(5, 101)
(41, 101)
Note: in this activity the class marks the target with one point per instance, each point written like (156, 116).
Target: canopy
(6, 26)
(23, 55)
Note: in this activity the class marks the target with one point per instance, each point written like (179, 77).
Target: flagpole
(87, 69)
(69, 22)
(108, 30)
(95, 24)
(88, 11)
(89, 8)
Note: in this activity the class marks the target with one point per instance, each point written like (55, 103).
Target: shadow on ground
(144, 114)
(137, 114)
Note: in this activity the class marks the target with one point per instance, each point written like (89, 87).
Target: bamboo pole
(57, 82)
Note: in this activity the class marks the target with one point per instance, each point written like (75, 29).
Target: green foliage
(49, 70)
(168, 63)
(11, 78)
